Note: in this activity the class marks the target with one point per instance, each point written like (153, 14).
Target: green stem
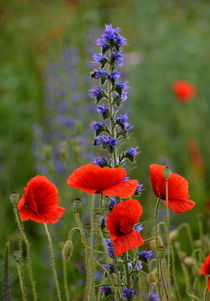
(52, 257)
(157, 246)
(164, 284)
(174, 275)
(168, 240)
(20, 276)
(125, 257)
(206, 295)
(28, 253)
(65, 280)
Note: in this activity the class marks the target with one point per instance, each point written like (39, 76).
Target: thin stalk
(125, 257)
(164, 284)
(65, 280)
(28, 253)
(206, 295)
(168, 240)
(22, 287)
(157, 254)
(52, 257)
(174, 276)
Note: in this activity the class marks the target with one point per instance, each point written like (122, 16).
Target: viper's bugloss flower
(103, 110)
(153, 297)
(139, 187)
(120, 224)
(95, 179)
(132, 152)
(177, 189)
(122, 119)
(144, 255)
(101, 140)
(40, 202)
(98, 127)
(97, 74)
(128, 293)
(109, 246)
(112, 142)
(100, 59)
(109, 267)
(184, 91)
(113, 76)
(121, 86)
(139, 228)
(112, 204)
(97, 93)
(100, 161)
(205, 270)
(107, 290)
(117, 59)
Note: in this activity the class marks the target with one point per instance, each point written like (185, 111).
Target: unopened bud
(76, 204)
(14, 198)
(189, 261)
(67, 250)
(173, 235)
(152, 276)
(166, 173)
(198, 243)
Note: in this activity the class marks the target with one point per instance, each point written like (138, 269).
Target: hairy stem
(52, 257)
(157, 246)
(168, 240)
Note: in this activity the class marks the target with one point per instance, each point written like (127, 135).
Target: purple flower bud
(120, 41)
(102, 74)
(110, 248)
(144, 255)
(112, 204)
(112, 142)
(100, 59)
(132, 151)
(107, 290)
(139, 187)
(122, 119)
(101, 139)
(100, 161)
(153, 297)
(117, 59)
(97, 126)
(128, 293)
(104, 110)
(139, 228)
(97, 93)
(113, 76)
(109, 267)
(121, 86)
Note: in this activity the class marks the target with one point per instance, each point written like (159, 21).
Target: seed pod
(76, 204)
(173, 235)
(189, 261)
(67, 250)
(14, 198)
(166, 173)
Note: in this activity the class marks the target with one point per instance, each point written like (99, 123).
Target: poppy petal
(205, 269)
(180, 206)
(26, 214)
(55, 215)
(91, 178)
(123, 189)
(127, 242)
(123, 217)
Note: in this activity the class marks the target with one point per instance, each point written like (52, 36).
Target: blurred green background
(167, 41)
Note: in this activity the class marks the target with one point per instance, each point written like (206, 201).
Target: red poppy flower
(184, 90)
(109, 181)
(205, 270)
(39, 202)
(177, 189)
(120, 223)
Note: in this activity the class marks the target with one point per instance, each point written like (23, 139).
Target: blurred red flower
(109, 181)
(205, 270)
(177, 189)
(196, 157)
(120, 223)
(39, 202)
(184, 90)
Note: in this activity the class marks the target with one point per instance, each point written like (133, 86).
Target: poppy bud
(152, 276)
(166, 173)
(173, 235)
(189, 261)
(14, 198)
(76, 204)
(67, 250)
(198, 243)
